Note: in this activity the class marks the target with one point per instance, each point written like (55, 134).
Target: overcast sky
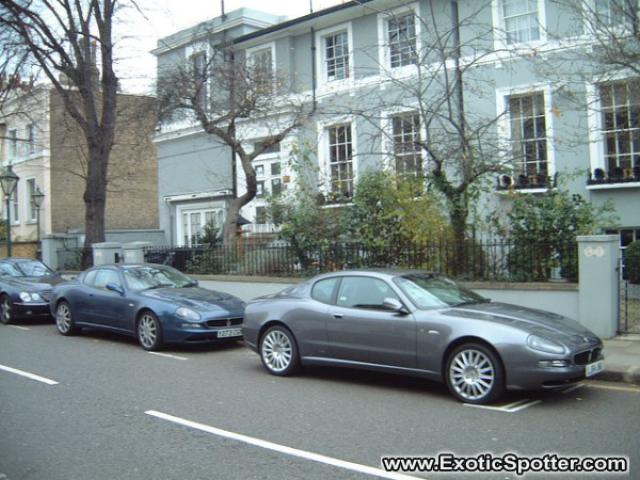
(140, 30)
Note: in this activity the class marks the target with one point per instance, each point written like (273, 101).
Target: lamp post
(8, 182)
(37, 198)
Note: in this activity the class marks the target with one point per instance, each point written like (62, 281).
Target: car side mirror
(394, 305)
(114, 287)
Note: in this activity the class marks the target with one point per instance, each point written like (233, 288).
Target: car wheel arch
(141, 311)
(464, 340)
(268, 325)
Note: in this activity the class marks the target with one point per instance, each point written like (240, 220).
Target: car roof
(385, 273)
(125, 266)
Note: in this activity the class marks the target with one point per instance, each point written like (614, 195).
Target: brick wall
(19, 249)
(132, 192)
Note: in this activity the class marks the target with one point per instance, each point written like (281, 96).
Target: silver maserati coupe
(421, 324)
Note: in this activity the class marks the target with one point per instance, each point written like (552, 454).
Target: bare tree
(228, 98)
(427, 128)
(64, 38)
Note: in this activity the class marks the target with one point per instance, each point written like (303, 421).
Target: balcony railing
(616, 175)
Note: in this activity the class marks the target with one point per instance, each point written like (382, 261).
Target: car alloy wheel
(149, 333)
(278, 351)
(474, 374)
(5, 309)
(64, 319)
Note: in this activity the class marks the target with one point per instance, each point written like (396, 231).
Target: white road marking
(168, 355)
(18, 327)
(572, 388)
(31, 376)
(509, 408)
(314, 457)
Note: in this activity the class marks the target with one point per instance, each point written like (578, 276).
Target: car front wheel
(149, 332)
(6, 306)
(64, 319)
(278, 351)
(474, 374)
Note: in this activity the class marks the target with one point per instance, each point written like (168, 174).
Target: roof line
(295, 21)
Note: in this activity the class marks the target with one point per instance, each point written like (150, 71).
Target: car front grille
(224, 322)
(588, 356)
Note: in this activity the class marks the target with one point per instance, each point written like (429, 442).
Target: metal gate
(629, 307)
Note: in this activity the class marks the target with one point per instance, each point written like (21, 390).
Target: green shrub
(632, 262)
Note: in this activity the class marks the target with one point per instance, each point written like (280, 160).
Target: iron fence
(70, 258)
(499, 260)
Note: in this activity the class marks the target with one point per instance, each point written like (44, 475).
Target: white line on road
(630, 388)
(31, 376)
(509, 408)
(18, 327)
(168, 355)
(314, 457)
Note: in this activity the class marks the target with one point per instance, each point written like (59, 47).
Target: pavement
(622, 359)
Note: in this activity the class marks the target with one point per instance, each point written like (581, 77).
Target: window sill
(533, 190)
(613, 186)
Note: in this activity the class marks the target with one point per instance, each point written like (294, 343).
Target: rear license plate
(230, 332)
(593, 368)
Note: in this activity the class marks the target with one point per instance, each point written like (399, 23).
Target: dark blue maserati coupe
(155, 303)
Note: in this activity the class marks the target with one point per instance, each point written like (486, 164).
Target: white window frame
(250, 57)
(321, 65)
(32, 216)
(324, 158)
(12, 140)
(30, 138)
(387, 141)
(504, 123)
(14, 205)
(384, 50)
(194, 208)
(597, 150)
(499, 28)
(196, 49)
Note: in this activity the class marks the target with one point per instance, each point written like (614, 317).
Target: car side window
(90, 278)
(364, 292)
(105, 276)
(322, 291)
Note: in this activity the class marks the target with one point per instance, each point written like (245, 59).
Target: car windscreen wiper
(189, 284)
(470, 302)
(160, 285)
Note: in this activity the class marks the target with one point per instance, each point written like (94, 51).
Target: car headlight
(544, 344)
(30, 297)
(35, 297)
(187, 314)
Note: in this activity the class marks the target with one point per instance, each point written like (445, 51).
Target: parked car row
(407, 322)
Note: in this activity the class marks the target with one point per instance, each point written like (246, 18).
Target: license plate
(230, 332)
(594, 368)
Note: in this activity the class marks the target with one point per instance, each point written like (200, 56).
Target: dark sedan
(155, 303)
(25, 289)
(421, 324)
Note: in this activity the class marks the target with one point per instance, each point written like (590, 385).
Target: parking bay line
(18, 327)
(31, 376)
(314, 457)
(509, 408)
(168, 355)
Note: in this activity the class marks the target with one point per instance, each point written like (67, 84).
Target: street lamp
(37, 197)
(8, 182)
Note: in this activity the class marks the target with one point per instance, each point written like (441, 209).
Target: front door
(105, 306)
(361, 329)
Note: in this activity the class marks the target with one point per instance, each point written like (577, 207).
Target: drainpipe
(458, 72)
(313, 69)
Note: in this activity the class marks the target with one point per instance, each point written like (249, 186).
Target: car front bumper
(531, 376)
(174, 332)
(31, 310)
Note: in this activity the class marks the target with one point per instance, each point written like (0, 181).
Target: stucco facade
(547, 103)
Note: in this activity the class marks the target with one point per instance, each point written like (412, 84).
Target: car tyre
(474, 374)
(6, 307)
(279, 351)
(149, 331)
(64, 319)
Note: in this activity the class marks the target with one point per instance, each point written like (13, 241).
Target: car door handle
(337, 315)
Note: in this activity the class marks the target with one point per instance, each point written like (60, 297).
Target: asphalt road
(107, 416)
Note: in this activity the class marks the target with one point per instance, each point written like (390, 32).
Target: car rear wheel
(474, 374)
(279, 352)
(149, 332)
(64, 319)
(6, 306)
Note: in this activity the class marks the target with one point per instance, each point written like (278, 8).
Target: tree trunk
(231, 225)
(95, 200)
(458, 213)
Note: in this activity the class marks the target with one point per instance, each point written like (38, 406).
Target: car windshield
(33, 268)
(146, 277)
(429, 291)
